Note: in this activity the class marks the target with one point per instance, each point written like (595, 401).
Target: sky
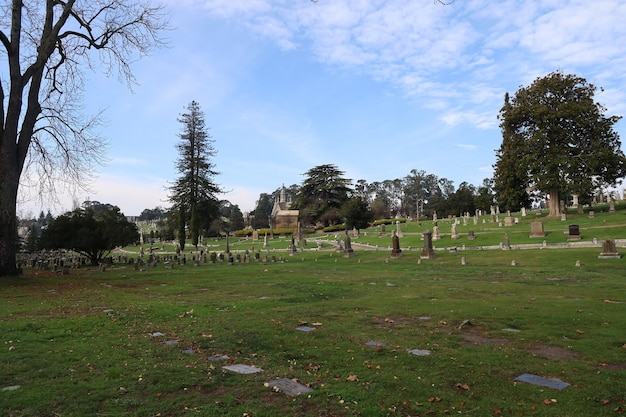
(376, 87)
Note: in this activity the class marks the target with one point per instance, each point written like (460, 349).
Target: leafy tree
(485, 197)
(195, 186)
(557, 140)
(357, 213)
(325, 189)
(157, 213)
(45, 45)
(463, 199)
(263, 211)
(91, 234)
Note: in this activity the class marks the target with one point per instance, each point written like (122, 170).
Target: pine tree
(195, 186)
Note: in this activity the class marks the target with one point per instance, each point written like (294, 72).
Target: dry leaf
(462, 386)
(352, 378)
(580, 332)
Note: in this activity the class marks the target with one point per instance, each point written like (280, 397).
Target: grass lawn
(140, 343)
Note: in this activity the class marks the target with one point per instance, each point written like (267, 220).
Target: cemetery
(371, 322)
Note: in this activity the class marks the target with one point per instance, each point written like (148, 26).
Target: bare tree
(46, 46)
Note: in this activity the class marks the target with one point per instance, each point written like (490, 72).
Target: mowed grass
(88, 344)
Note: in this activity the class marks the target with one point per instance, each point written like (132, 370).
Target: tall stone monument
(396, 252)
(348, 252)
(427, 251)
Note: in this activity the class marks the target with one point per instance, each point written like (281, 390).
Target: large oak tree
(557, 139)
(45, 46)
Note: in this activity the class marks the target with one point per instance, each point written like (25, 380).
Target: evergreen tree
(195, 186)
(91, 234)
(324, 190)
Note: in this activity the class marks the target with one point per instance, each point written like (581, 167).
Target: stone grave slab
(305, 329)
(373, 343)
(242, 369)
(189, 352)
(217, 358)
(541, 381)
(419, 352)
(289, 387)
(171, 342)
(157, 334)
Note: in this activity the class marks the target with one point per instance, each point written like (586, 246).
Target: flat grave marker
(541, 381)
(419, 352)
(305, 329)
(242, 369)
(289, 387)
(373, 343)
(217, 358)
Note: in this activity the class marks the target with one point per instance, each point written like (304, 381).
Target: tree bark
(8, 217)
(555, 207)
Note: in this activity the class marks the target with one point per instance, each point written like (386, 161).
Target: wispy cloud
(422, 47)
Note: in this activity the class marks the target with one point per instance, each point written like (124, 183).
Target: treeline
(326, 198)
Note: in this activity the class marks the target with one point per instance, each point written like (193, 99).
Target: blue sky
(376, 87)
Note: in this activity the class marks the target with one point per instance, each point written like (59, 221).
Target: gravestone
(507, 242)
(427, 251)
(470, 235)
(305, 329)
(255, 235)
(573, 232)
(509, 221)
(592, 214)
(242, 369)
(454, 233)
(289, 387)
(609, 251)
(536, 229)
(563, 216)
(396, 252)
(541, 381)
(292, 247)
(383, 230)
(348, 252)
(398, 230)
(435, 234)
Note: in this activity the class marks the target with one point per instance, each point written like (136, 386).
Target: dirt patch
(554, 353)
(473, 336)
(474, 339)
(620, 366)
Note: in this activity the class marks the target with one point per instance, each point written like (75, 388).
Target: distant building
(282, 216)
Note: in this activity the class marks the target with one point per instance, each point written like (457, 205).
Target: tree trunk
(8, 222)
(555, 210)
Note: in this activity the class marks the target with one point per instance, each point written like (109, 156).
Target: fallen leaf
(580, 332)
(497, 411)
(317, 323)
(352, 378)
(462, 386)
(547, 402)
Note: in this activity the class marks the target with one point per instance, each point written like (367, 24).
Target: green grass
(82, 344)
